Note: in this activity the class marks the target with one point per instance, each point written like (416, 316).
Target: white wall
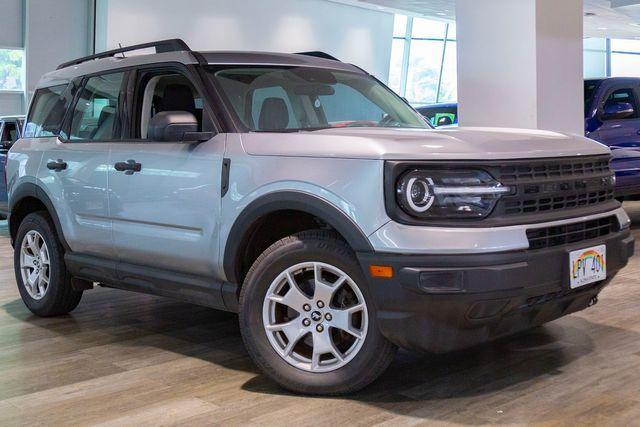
(520, 64)
(56, 31)
(352, 34)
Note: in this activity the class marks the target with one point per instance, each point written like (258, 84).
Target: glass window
(623, 96)
(427, 29)
(625, 65)
(400, 26)
(449, 81)
(277, 99)
(451, 35)
(169, 92)
(623, 45)
(95, 115)
(395, 69)
(424, 71)
(595, 64)
(47, 111)
(12, 69)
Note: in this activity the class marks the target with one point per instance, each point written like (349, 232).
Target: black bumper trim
(445, 302)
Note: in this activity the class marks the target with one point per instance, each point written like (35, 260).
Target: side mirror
(617, 111)
(444, 121)
(6, 145)
(175, 126)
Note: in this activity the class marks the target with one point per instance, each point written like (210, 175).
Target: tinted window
(624, 96)
(47, 111)
(95, 116)
(9, 132)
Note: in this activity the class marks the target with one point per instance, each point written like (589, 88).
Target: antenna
(120, 46)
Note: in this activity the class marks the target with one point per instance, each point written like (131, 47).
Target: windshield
(590, 87)
(291, 99)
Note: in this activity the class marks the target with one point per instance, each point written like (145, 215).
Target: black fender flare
(31, 190)
(289, 200)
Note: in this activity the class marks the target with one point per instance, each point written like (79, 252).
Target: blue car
(10, 129)
(612, 117)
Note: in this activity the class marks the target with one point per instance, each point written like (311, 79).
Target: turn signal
(381, 271)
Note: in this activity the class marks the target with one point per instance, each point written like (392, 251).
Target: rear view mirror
(617, 111)
(175, 126)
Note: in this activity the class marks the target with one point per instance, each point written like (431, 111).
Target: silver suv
(303, 194)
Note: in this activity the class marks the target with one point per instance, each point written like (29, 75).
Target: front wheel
(307, 318)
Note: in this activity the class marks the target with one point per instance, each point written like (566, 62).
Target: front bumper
(439, 303)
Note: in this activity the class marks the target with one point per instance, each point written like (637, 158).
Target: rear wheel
(41, 275)
(307, 318)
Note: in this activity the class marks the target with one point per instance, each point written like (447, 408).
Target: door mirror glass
(172, 126)
(618, 111)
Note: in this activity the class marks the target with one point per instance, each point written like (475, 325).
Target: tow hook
(593, 301)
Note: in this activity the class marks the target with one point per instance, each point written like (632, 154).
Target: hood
(421, 144)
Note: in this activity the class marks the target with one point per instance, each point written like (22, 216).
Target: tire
(352, 363)
(57, 297)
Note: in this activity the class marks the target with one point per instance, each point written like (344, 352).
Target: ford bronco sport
(303, 194)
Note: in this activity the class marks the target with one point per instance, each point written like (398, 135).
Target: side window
(47, 112)
(95, 116)
(271, 106)
(168, 92)
(623, 96)
(9, 132)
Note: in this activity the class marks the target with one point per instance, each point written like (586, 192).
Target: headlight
(448, 194)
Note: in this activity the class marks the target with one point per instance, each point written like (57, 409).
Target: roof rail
(319, 54)
(170, 45)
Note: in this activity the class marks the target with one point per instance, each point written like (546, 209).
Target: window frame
(79, 85)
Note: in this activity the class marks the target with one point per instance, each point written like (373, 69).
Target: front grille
(554, 185)
(558, 235)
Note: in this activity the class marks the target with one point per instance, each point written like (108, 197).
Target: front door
(164, 197)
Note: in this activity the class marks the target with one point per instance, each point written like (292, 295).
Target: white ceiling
(613, 18)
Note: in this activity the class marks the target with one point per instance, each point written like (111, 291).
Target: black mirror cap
(171, 126)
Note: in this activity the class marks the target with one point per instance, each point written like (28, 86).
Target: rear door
(75, 168)
(165, 213)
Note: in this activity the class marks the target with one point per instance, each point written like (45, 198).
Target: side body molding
(289, 200)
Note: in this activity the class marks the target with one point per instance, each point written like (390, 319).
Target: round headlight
(416, 193)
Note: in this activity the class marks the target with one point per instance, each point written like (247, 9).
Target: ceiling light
(603, 28)
(589, 14)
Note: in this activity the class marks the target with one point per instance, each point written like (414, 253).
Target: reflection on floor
(125, 358)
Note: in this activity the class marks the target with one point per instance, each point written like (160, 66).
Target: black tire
(376, 352)
(60, 297)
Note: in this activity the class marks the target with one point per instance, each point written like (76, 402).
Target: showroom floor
(124, 358)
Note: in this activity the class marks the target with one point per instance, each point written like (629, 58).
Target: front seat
(274, 115)
(178, 97)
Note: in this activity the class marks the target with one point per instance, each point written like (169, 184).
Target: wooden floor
(129, 359)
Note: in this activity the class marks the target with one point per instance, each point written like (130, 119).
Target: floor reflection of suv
(303, 194)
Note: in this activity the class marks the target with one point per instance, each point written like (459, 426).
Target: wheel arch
(28, 198)
(296, 202)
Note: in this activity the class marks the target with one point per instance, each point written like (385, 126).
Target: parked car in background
(440, 114)
(612, 117)
(10, 130)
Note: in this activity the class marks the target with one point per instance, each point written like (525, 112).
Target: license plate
(588, 266)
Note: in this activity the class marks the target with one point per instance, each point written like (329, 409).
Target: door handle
(129, 167)
(57, 165)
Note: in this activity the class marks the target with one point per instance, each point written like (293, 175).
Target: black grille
(555, 185)
(571, 233)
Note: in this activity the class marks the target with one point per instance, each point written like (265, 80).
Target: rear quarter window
(47, 112)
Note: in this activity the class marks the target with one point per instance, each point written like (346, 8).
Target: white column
(520, 64)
